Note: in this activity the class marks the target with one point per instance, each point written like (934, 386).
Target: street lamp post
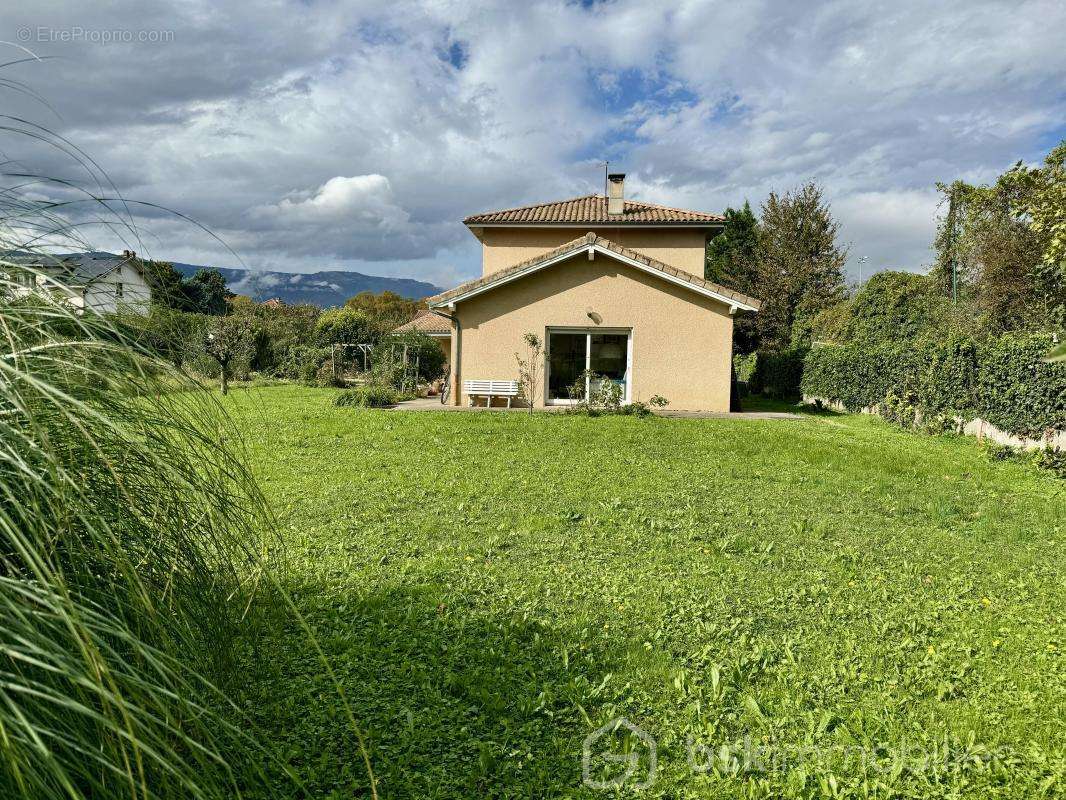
(862, 261)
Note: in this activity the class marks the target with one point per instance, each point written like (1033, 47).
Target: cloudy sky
(356, 135)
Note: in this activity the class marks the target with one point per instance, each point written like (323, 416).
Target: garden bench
(490, 389)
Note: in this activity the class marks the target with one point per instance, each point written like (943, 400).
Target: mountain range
(327, 288)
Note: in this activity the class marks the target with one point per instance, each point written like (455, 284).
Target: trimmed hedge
(1018, 392)
(1002, 380)
(777, 373)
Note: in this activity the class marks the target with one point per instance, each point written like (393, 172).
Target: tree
(1041, 199)
(286, 329)
(991, 260)
(800, 266)
(530, 367)
(207, 292)
(172, 334)
(346, 326)
(732, 260)
(168, 286)
(388, 309)
(731, 255)
(228, 339)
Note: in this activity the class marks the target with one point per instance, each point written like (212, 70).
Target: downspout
(458, 352)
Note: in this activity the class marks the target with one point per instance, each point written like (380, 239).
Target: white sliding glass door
(578, 358)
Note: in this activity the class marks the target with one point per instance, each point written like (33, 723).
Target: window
(119, 290)
(572, 352)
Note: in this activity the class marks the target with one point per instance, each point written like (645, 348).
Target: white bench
(489, 390)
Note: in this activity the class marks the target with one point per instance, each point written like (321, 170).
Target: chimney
(616, 194)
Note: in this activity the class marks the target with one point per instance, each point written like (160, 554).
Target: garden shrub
(370, 396)
(345, 326)
(944, 377)
(1052, 460)
(892, 306)
(634, 409)
(777, 373)
(386, 369)
(430, 357)
(300, 363)
(313, 365)
(744, 365)
(1003, 380)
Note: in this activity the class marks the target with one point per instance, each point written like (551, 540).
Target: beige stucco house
(610, 285)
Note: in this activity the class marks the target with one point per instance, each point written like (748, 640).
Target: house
(100, 282)
(612, 286)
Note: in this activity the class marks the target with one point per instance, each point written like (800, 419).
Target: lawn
(854, 606)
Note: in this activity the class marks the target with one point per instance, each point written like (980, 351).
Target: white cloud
(893, 229)
(368, 198)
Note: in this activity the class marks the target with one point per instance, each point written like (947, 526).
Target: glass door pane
(608, 357)
(566, 362)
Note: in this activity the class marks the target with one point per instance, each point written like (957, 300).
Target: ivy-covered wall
(1002, 380)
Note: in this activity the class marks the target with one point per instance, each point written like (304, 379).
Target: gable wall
(679, 247)
(682, 342)
(100, 295)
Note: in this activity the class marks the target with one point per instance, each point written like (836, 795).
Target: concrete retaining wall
(980, 428)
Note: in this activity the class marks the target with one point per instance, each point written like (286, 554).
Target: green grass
(490, 588)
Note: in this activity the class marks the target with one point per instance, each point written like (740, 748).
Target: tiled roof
(427, 322)
(592, 209)
(76, 269)
(576, 246)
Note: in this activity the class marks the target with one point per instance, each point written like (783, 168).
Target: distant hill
(328, 288)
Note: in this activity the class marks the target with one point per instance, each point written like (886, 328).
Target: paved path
(433, 404)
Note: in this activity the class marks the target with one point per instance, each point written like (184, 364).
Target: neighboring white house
(100, 282)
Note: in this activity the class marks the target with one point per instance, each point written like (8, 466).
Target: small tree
(345, 326)
(529, 368)
(228, 339)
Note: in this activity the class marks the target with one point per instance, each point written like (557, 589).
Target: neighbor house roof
(592, 209)
(428, 323)
(593, 243)
(71, 268)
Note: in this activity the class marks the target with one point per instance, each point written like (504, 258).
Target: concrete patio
(434, 404)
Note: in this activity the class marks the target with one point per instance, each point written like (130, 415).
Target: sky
(314, 135)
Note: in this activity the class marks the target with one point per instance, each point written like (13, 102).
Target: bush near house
(368, 397)
(772, 373)
(346, 326)
(1001, 379)
(421, 348)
